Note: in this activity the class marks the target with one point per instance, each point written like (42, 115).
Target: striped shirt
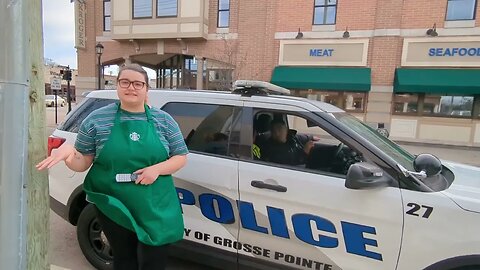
(96, 128)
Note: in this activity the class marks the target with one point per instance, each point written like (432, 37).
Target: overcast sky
(59, 32)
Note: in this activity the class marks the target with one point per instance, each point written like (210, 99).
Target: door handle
(263, 185)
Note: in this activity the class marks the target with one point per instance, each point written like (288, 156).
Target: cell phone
(126, 177)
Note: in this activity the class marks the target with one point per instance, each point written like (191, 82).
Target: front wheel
(92, 240)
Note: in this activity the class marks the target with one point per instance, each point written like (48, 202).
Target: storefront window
(405, 103)
(348, 101)
(333, 98)
(354, 102)
(448, 105)
(433, 105)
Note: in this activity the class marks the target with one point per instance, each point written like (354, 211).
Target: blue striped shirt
(96, 128)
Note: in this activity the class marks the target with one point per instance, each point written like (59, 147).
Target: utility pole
(14, 81)
(38, 195)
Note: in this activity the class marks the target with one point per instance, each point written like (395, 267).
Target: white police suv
(332, 194)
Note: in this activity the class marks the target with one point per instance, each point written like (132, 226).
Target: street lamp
(99, 50)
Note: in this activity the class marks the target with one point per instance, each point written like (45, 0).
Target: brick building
(409, 65)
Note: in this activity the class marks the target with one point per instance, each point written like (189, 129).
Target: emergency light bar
(249, 88)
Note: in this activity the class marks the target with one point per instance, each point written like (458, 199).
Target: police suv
(355, 201)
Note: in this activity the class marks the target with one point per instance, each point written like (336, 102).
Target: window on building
(223, 18)
(207, 128)
(405, 104)
(325, 12)
(461, 10)
(434, 105)
(106, 15)
(448, 105)
(142, 9)
(348, 101)
(167, 8)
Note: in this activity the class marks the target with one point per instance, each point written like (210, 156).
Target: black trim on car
(461, 262)
(75, 204)
(59, 208)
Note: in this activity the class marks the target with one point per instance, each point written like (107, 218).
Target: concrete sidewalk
(460, 154)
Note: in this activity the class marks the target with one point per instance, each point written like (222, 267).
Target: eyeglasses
(137, 85)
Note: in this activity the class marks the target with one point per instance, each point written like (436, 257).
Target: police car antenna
(257, 88)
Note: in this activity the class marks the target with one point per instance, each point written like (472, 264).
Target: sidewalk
(460, 154)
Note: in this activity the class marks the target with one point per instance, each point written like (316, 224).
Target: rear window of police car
(76, 116)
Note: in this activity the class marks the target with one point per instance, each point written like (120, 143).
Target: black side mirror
(427, 163)
(384, 132)
(365, 175)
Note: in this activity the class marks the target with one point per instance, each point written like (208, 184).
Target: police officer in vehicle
(284, 147)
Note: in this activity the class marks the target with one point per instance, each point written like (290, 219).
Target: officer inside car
(283, 147)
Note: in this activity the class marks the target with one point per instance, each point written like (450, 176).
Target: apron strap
(147, 113)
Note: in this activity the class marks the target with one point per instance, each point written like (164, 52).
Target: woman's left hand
(147, 176)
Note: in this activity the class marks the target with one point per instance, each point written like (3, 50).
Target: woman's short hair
(134, 67)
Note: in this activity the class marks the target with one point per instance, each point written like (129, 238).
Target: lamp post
(99, 51)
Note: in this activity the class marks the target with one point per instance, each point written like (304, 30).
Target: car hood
(465, 190)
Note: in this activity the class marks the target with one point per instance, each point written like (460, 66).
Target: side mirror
(429, 164)
(365, 175)
(384, 132)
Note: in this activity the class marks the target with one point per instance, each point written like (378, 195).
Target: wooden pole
(38, 195)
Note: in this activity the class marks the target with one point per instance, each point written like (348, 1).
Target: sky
(59, 32)
(59, 35)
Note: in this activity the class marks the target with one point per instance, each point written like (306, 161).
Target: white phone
(126, 177)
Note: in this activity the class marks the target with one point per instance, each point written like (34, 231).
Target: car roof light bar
(250, 88)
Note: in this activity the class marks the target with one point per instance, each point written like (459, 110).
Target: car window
(75, 117)
(207, 128)
(289, 139)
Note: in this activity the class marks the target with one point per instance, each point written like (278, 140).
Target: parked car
(50, 101)
(356, 201)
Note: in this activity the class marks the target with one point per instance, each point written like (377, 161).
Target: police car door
(208, 185)
(308, 219)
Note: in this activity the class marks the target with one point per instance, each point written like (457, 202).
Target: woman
(130, 140)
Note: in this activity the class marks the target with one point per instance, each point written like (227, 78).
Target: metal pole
(56, 107)
(14, 72)
(69, 97)
(99, 73)
(178, 72)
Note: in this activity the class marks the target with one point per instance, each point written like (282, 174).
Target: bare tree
(231, 64)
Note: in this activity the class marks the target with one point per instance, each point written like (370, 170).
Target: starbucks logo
(134, 136)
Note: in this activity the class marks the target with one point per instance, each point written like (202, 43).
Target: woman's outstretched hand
(66, 152)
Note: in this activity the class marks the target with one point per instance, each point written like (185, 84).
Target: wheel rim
(99, 242)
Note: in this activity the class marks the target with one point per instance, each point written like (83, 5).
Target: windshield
(390, 148)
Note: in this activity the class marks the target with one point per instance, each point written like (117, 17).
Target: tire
(52, 104)
(92, 241)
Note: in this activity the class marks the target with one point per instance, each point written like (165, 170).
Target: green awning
(322, 78)
(437, 81)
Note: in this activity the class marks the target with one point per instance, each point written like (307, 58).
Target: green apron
(151, 211)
